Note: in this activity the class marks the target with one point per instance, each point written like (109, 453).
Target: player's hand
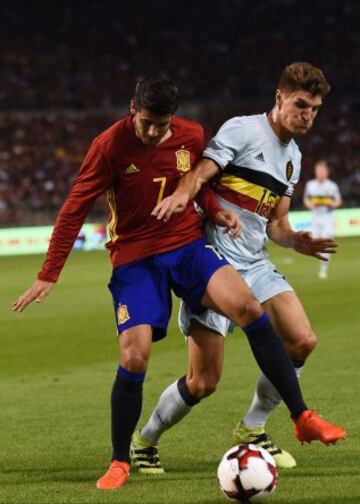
(315, 247)
(37, 292)
(230, 221)
(175, 203)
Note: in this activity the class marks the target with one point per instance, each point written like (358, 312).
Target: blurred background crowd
(68, 71)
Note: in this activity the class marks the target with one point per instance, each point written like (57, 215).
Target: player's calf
(201, 387)
(301, 347)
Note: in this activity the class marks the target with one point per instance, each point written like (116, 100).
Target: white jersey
(322, 195)
(257, 170)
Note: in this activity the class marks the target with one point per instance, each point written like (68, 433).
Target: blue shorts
(141, 290)
(264, 280)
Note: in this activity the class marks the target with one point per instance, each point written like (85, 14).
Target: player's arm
(337, 202)
(278, 228)
(93, 179)
(308, 204)
(208, 202)
(189, 185)
(280, 232)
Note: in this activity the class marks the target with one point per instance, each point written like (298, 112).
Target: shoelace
(151, 453)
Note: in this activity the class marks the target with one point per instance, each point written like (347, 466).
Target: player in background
(138, 161)
(322, 196)
(258, 165)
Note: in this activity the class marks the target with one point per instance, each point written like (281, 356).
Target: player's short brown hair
(304, 76)
(158, 94)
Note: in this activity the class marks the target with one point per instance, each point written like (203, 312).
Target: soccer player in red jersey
(138, 161)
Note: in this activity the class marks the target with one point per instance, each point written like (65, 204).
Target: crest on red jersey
(183, 162)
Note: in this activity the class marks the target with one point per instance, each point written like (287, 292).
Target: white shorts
(265, 282)
(323, 226)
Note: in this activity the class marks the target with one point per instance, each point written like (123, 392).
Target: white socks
(170, 409)
(265, 400)
(324, 267)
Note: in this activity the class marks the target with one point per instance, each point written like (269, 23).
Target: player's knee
(305, 344)
(134, 362)
(309, 342)
(251, 310)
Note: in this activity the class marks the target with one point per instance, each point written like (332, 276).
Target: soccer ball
(247, 473)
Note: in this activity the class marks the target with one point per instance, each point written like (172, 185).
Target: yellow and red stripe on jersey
(252, 190)
(321, 200)
(110, 196)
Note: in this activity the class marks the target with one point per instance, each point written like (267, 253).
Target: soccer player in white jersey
(258, 164)
(322, 196)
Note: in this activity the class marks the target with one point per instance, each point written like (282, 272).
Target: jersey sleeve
(295, 178)
(336, 191)
(227, 143)
(208, 202)
(93, 178)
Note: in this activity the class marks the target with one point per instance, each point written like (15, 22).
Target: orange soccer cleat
(116, 476)
(311, 427)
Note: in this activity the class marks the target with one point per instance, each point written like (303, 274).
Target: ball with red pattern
(247, 473)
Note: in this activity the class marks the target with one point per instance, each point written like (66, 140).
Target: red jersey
(135, 178)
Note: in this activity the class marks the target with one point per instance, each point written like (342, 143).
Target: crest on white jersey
(289, 170)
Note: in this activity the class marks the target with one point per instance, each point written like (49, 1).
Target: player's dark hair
(323, 162)
(157, 94)
(306, 77)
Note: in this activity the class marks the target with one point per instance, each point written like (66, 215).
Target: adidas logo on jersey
(132, 169)
(260, 157)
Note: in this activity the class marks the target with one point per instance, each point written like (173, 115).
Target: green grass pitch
(57, 364)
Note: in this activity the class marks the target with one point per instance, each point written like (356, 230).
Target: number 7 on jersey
(162, 182)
